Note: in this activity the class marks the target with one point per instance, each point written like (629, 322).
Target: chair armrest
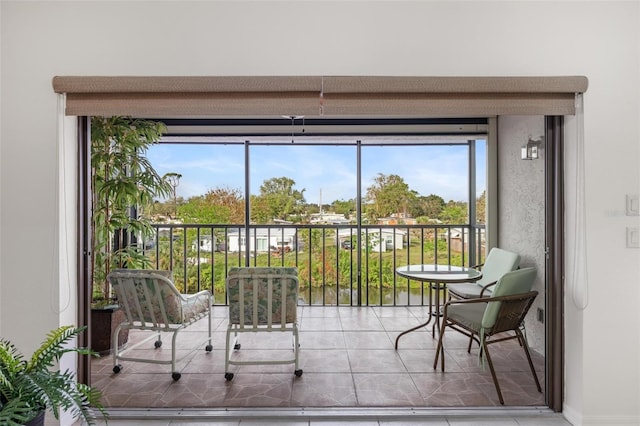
(196, 305)
(492, 298)
(461, 301)
(198, 294)
(487, 287)
(197, 298)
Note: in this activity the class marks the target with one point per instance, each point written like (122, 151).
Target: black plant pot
(37, 421)
(104, 322)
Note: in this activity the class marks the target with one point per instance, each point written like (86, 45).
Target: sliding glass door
(346, 211)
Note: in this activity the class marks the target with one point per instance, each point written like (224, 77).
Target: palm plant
(123, 182)
(28, 387)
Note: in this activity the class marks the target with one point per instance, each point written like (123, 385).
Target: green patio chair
(500, 315)
(497, 263)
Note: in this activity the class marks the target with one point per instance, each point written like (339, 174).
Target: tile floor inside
(348, 358)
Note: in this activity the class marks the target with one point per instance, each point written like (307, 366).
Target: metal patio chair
(262, 300)
(483, 318)
(151, 302)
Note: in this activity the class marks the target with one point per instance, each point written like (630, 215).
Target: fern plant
(31, 386)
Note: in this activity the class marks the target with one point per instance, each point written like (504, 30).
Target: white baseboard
(572, 416)
(578, 419)
(611, 420)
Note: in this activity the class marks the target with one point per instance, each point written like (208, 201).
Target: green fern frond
(16, 413)
(53, 347)
(28, 387)
(49, 350)
(11, 361)
(12, 365)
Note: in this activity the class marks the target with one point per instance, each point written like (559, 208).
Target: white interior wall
(425, 38)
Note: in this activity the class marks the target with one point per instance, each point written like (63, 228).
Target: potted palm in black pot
(123, 183)
(31, 387)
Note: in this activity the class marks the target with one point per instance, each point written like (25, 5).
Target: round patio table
(438, 276)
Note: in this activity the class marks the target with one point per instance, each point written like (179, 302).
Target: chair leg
(493, 372)
(174, 372)
(525, 346)
(227, 351)
(524, 334)
(440, 347)
(114, 347)
(297, 371)
(209, 330)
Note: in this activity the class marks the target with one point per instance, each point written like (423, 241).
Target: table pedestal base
(437, 314)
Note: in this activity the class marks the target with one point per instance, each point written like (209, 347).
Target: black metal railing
(337, 264)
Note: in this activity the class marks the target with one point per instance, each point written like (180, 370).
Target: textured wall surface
(521, 206)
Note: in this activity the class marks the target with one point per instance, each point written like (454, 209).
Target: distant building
(397, 219)
(380, 240)
(458, 239)
(262, 240)
(328, 218)
(207, 244)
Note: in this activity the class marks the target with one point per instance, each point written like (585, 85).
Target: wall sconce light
(531, 150)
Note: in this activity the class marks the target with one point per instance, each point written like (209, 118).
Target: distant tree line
(279, 199)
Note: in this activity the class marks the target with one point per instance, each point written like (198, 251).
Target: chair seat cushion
(468, 314)
(467, 290)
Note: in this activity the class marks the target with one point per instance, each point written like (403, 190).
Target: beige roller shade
(319, 96)
(452, 96)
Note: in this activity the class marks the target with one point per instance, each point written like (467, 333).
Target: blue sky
(327, 171)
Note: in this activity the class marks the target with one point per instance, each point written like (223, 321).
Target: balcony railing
(337, 264)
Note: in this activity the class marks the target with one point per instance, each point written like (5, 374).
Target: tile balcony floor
(349, 362)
